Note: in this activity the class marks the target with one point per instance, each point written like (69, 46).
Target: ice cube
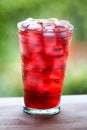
(50, 34)
(35, 26)
(44, 88)
(49, 43)
(31, 81)
(27, 22)
(64, 23)
(35, 44)
(48, 27)
(38, 61)
(59, 28)
(57, 75)
(20, 27)
(58, 52)
(64, 35)
(24, 24)
(54, 20)
(34, 62)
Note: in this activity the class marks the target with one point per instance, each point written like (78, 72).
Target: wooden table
(73, 115)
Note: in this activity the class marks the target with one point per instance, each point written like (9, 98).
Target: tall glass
(44, 56)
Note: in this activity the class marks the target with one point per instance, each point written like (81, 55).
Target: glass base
(51, 111)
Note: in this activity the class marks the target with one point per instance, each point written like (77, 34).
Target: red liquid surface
(43, 67)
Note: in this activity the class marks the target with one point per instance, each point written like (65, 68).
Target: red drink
(44, 53)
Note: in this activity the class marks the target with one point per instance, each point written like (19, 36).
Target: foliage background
(11, 12)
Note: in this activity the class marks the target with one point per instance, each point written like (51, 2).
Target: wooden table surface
(73, 115)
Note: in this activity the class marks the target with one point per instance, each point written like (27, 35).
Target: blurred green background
(11, 12)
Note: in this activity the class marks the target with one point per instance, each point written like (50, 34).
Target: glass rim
(66, 30)
(71, 28)
(57, 32)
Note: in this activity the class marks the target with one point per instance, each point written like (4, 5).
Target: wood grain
(73, 115)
